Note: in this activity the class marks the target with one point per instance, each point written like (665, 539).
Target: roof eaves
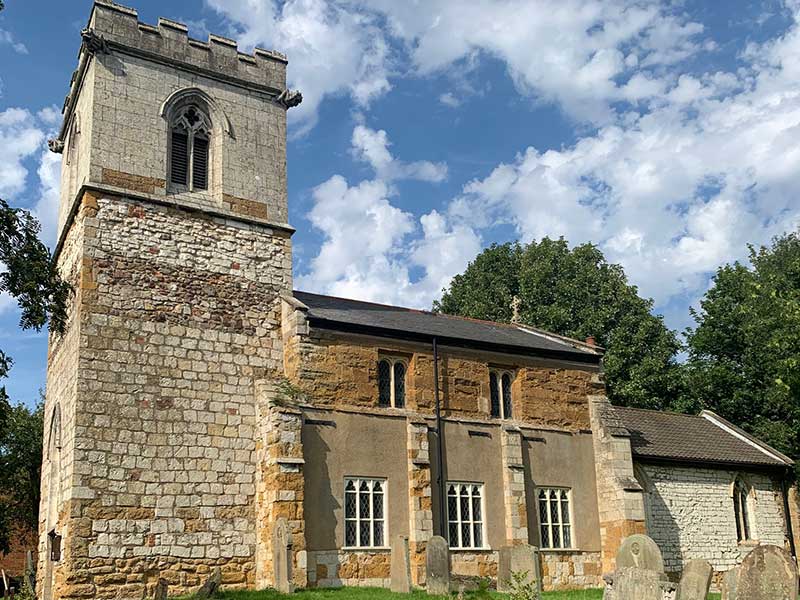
(561, 339)
(566, 354)
(738, 433)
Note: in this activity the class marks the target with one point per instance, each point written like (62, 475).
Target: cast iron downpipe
(439, 445)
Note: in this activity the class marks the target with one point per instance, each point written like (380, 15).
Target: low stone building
(195, 399)
(710, 489)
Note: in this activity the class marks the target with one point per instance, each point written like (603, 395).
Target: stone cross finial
(515, 302)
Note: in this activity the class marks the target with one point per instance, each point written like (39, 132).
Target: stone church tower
(173, 231)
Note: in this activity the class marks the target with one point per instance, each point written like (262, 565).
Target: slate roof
(406, 323)
(705, 438)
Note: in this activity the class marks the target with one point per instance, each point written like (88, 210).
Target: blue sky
(666, 132)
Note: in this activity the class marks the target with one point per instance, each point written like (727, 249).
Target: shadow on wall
(321, 521)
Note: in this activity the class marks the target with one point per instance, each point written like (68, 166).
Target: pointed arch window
(741, 510)
(190, 134)
(465, 515)
(555, 519)
(500, 394)
(364, 513)
(392, 382)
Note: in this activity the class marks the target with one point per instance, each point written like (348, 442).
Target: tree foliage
(31, 277)
(577, 293)
(20, 470)
(744, 354)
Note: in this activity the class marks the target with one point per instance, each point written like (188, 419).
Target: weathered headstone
(282, 556)
(729, 584)
(437, 566)
(161, 589)
(767, 573)
(400, 566)
(211, 586)
(640, 551)
(633, 583)
(30, 572)
(695, 580)
(639, 571)
(518, 559)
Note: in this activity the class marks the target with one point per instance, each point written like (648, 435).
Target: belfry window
(392, 382)
(500, 394)
(189, 147)
(741, 511)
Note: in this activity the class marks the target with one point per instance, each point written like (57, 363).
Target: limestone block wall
(571, 570)
(690, 514)
(179, 315)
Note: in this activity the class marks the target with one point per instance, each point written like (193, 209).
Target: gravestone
(767, 573)
(640, 551)
(161, 589)
(282, 556)
(639, 571)
(633, 583)
(437, 567)
(211, 586)
(523, 558)
(729, 584)
(401, 566)
(30, 572)
(695, 580)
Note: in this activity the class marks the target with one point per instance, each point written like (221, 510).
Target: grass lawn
(381, 594)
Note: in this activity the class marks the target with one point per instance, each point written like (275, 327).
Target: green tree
(744, 354)
(31, 277)
(577, 293)
(20, 470)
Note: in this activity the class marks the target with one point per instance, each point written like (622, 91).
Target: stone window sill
(471, 550)
(366, 549)
(559, 550)
(749, 543)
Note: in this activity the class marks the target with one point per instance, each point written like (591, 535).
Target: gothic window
(392, 382)
(364, 513)
(190, 134)
(500, 394)
(465, 515)
(741, 510)
(54, 541)
(555, 523)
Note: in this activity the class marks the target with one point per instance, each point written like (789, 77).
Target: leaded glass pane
(554, 510)
(567, 537)
(399, 385)
(363, 505)
(545, 536)
(377, 506)
(494, 392)
(377, 531)
(453, 530)
(364, 535)
(478, 535)
(464, 501)
(350, 533)
(544, 516)
(384, 383)
(350, 505)
(507, 396)
(476, 508)
(466, 535)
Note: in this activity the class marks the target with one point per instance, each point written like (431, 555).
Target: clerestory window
(500, 394)
(190, 136)
(392, 382)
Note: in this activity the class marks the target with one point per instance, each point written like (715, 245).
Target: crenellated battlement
(169, 41)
